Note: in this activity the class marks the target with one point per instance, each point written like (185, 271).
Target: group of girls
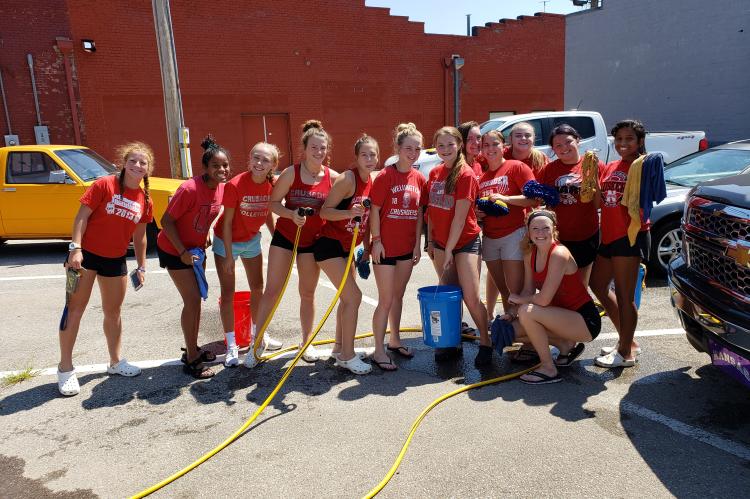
(539, 261)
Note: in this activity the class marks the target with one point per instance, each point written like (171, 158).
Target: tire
(666, 245)
(152, 232)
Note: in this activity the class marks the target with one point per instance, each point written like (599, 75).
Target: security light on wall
(88, 45)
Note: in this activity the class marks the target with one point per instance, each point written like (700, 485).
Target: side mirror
(58, 177)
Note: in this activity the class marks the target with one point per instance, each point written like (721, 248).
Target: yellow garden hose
(424, 413)
(270, 397)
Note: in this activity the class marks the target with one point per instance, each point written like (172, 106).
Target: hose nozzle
(305, 211)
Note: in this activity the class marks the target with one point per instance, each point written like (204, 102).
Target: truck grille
(717, 245)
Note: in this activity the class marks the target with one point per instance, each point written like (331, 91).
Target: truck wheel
(152, 232)
(666, 245)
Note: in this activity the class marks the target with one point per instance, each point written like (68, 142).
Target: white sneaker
(614, 359)
(124, 368)
(311, 354)
(355, 365)
(67, 383)
(250, 360)
(232, 358)
(609, 350)
(271, 344)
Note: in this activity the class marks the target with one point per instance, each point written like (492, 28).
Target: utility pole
(468, 24)
(177, 134)
(544, 7)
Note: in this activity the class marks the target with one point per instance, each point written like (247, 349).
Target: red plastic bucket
(242, 318)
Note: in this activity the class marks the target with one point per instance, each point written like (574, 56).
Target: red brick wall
(356, 68)
(32, 28)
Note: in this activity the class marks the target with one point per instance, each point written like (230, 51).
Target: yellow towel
(631, 198)
(589, 176)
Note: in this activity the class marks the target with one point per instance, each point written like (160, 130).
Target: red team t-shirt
(399, 196)
(442, 207)
(576, 221)
(342, 230)
(507, 180)
(250, 202)
(114, 217)
(615, 218)
(311, 196)
(194, 207)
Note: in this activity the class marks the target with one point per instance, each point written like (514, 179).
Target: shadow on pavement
(672, 418)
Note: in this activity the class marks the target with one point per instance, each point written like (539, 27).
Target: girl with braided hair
(185, 235)
(114, 210)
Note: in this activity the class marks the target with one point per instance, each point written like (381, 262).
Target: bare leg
(190, 318)
(279, 260)
(384, 278)
(254, 272)
(468, 276)
(113, 294)
(226, 304)
(309, 272)
(626, 278)
(76, 308)
(601, 276)
(401, 278)
(349, 301)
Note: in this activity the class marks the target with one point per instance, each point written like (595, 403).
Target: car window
(491, 125)
(28, 167)
(87, 164)
(539, 139)
(584, 125)
(707, 165)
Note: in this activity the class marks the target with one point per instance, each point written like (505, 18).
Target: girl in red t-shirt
(472, 137)
(395, 228)
(246, 202)
(305, 185)
(554, 305)
(617, 259)
(578, 221)
(114, 210)
(343, 204)
(454, 244)
(522, 138)
(185, 226)
(504, 181)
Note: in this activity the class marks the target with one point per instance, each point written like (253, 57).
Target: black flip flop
(402, 351)
(543, 378)
(381, 365)
(567, 359)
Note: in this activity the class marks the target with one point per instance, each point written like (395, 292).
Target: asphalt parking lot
(671, 426)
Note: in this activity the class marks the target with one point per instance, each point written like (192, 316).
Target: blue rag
(653, 187)
(534, 190)
(363, 266)
(502, 334)
(200, 274)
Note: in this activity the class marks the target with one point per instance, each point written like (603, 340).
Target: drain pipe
(33, 89)
(5, 103)
(66, 49)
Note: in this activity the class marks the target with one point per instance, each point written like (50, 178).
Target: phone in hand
(135, 280)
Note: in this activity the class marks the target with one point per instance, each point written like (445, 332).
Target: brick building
(244, 63)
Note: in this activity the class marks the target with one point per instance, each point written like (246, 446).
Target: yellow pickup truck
(40, 186)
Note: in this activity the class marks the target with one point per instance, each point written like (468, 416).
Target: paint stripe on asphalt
(716, 441)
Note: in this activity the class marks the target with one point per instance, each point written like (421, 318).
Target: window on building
(584, 125)
(500, 114)
(32, 168)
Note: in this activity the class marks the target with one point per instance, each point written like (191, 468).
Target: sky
(449, 16)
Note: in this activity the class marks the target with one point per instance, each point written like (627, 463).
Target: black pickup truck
(710, 281)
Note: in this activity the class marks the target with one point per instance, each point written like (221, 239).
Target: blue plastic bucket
(440, 307)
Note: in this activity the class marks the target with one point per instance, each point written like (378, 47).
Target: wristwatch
(73, 246)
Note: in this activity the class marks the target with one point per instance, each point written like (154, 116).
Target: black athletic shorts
(584, 252)
(326, 248)
(622, 247)
(103, 266)
(591, 317)
(170, 262)
(391, 260)
(474, 246)
(282, 242)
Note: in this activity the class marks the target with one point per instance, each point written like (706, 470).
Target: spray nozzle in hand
(305, 211)
(366, 203)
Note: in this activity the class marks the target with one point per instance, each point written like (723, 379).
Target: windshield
(87, 164)
(707, 165)
(491, 125)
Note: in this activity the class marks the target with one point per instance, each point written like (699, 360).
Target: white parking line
(716, 441)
